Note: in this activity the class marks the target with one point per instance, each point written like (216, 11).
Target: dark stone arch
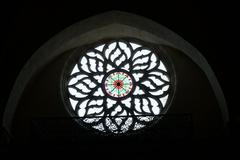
(111, 24)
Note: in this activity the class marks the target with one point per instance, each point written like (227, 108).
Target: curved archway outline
(109, 24)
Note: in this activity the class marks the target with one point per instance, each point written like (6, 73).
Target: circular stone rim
(79, 52)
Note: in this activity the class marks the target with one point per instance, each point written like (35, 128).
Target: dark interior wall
(41, 98)
(41, 113)
(211, 26)
(194, 96)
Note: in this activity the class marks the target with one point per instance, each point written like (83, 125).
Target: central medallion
(118, 84)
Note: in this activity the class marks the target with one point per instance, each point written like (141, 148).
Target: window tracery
(118, 86)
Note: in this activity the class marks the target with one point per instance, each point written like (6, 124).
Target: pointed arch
(111, 24)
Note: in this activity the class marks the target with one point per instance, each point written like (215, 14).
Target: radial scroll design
(118, 87)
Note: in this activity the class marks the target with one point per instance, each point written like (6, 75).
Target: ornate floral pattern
(118, 87)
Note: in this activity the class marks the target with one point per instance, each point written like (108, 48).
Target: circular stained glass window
(118, 86)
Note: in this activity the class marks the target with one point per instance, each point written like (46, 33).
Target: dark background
(209, 26)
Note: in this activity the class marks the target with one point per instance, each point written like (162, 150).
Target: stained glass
(118, 87)
(118, 84)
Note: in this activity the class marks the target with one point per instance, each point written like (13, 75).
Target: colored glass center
(118, 84)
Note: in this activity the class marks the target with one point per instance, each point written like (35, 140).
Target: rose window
(118, 86)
